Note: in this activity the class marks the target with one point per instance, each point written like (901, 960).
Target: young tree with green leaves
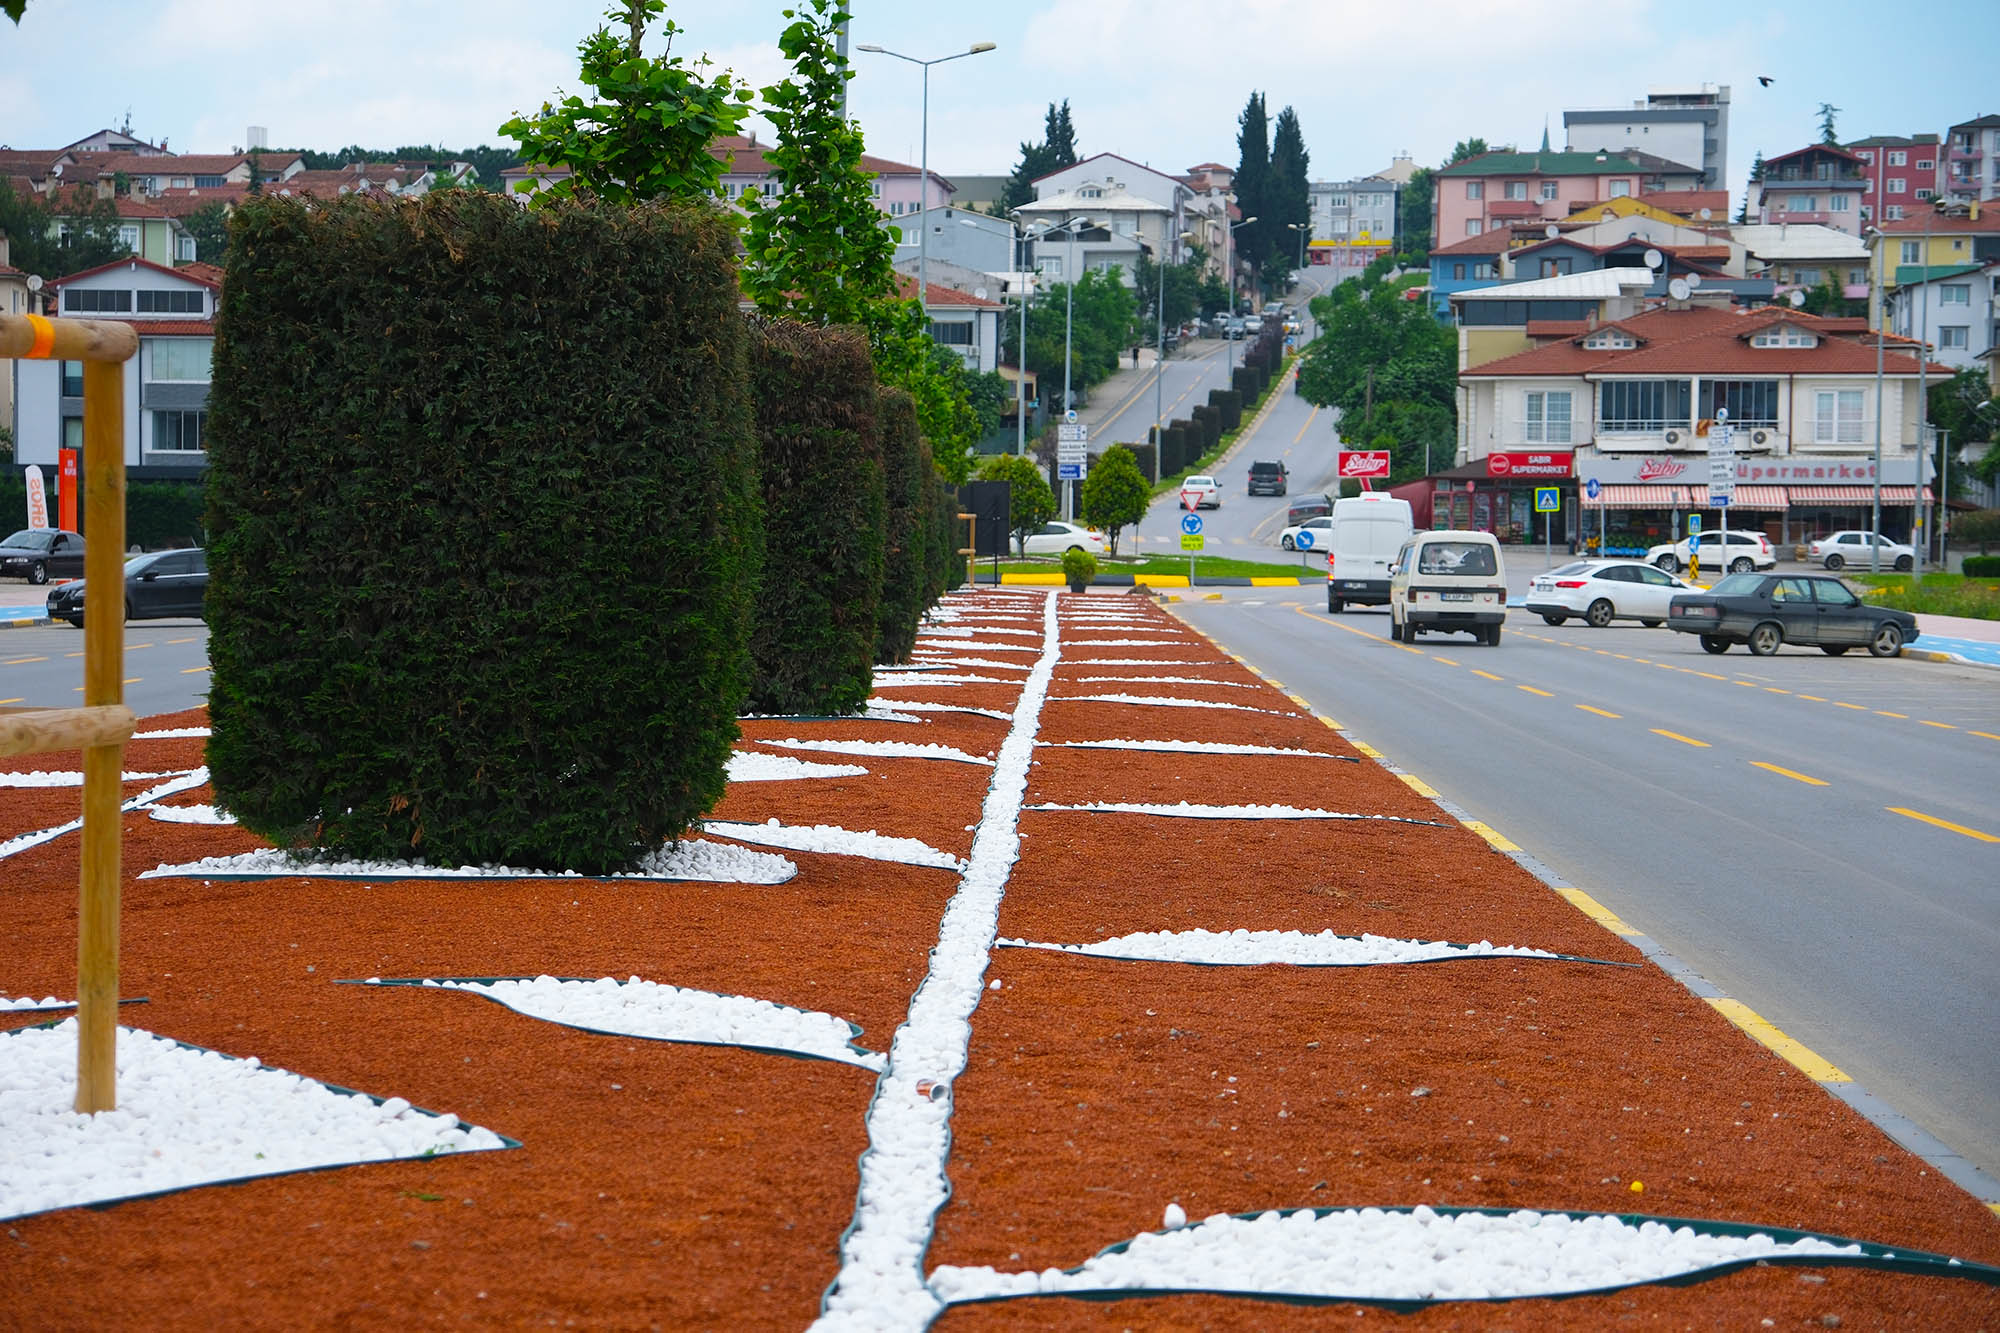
(1101, 328)
(1056, 150)
(1413, 216)
(62, 232)
(645, 130)
(1031, 501)
(1115, 493)
(209, 225)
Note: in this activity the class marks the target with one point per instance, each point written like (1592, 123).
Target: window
(185, 360)
(101, 301)
(1457, 271)
(1951, 336)
(1785, 336)
(178, 432)
(1841, 203)
(1867, 155)
(1470, 558)
(875, 189)
(1340, 201)
(1475, 189)
(1517, 189)
(1837, 416)
(1472, 226)
(184, 249)
(1911, 252)
(1748, 402)
(1954, 293)
(1857, 276)
(1641, 406)
(1052, 267)
(171, 303)
(1483, 269)
(208, 182)
(1550, 191)
(1897, 185)
(1831, 592)
(1894, 213)
(1610, 339)
(1548, 417)
(955, 334)
(1807, 277)
(1621, 189)
(1925, 164)
(72, 379)
(1898, 157)
(1800, 203)
(128, 236)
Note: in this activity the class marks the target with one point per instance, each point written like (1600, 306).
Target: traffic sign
(1069, 471)
(1304, 540)
(1191, 542)
(1694, 524)
(1191, 524)
(1548, 500)
(1069, 417)
(1591, 488)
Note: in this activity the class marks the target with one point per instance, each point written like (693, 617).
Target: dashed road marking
(1942, 823)
(1498, 843)
(1419, 786)
(1787, 773)
(1546, 694)
(1676, 736)
(1445, 661)
(1601, 712)
(1946, 726)
(1487, 674)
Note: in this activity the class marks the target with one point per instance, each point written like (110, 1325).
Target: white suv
(1837, 550)
(1734, 552)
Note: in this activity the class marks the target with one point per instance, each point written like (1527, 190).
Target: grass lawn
(1937, 595)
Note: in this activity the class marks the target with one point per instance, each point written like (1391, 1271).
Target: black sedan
(164, 585)
(1765, 611)
(40, 554)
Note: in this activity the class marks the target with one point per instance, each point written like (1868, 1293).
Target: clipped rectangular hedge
(483, 527)
(1982, 566)
(812, 647)
(1148, 457)
(1230, 404)
(906, 526)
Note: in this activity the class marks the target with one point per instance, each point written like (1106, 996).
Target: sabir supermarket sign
(1529, 465)
(1837, 470)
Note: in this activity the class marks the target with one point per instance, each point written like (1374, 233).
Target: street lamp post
(1881, 336)
(924, 162)
(1227, 332)
(1160, 365)
(1019, 238)
(1304, 229)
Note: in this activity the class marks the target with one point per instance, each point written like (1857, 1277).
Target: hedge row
(157, 513)
(1982, 566)
(906, 527)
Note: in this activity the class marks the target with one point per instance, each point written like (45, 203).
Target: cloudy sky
(1158, 81)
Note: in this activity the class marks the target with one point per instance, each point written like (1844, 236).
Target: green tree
(1115, 494)
(1287, 197)
(1056, 150)
(1183, 286)
(1253, 174)
(1031, 502)
(62, 232)
(1375, 346)
(1060, 137)
(1465, 150)
(990, 396)
(1101, 328)
(1827, 299)
(209, 225)
(1413, 216)
(1827, 111)
(645, 130)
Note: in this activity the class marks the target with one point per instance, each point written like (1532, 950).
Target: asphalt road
(166, 666)
(1817, 836)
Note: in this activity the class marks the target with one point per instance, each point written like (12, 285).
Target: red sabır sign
(1529, 465)
(1364, 462)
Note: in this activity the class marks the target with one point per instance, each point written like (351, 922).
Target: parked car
(1601, 591)
(1315, 534)
(1057, 536)
(1734, 551)
(1837, 550)
(1765, 611)
(1253, 325)
(162, 585)
(1309, 505)
(1266, 479)
(40, 554)
(1205, 492)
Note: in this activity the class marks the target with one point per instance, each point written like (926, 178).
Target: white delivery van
(1448, 582)
(1368, 530)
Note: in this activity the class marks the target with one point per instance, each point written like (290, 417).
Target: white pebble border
(1374, 1254)
(186, 1117)
(691, 859)
(1189, 810)
(191, 814)
(170, 734)
(63, 779)
(969, 646)
(883, 749)
(1157, 701)
(13, 1004)
(171, 787)
(1251, 948)
(1127, 643)
(1160, 680)
(1141, 661)
(751, 766)
(946, 708)
(1194, 747)
(925, 661)
(659, 1012)
(838, 841)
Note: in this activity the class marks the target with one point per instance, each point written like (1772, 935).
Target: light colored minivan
(1448, 582)
(1368, 530)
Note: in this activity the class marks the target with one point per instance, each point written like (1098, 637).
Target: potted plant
(1079, 568)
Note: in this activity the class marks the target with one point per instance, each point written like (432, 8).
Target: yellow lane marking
(1710, 675)
(1488, 674)
(138, 645)
(1773, 689)
(1751, 685)
(1856, 707)
(1601, 712)
(1986, 735)
(1597, 912)
(1813, 697)
(1945, 726)
(129, 680)
(18, 661)
(1498, 843)
(1799, 1056)
(1366, 749)
(1883, 712)
(1684, 740)
(1302, 430)
(1446, 660)
(193, 671)
(1621, 657)
(1787, 773)
(1644, 661)
(1546, 694)
(1943, 823)
(10, 701)
(1419, 786)
(195, 640)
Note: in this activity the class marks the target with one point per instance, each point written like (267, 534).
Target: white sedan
(1203, 491)
(1314, 534)
(1837, 550)
(1601, 591)
(1736, 552)
(1058, 536)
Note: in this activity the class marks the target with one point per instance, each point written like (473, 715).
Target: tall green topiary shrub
(941, 556)
(813, 645)
(906, 528)
(483, 527)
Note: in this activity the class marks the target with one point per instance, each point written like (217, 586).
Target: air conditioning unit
(1760, 437)
(1673, 437)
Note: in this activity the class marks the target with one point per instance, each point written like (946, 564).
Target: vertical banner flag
(38, 500)
(67, 488)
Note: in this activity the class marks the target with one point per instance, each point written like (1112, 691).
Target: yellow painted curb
(1598, 912)
(1160, 580)
(1366, 749)
(1498, 843)
(1256, 582)
(1799, 1056)
(1211, 597)
(1033, 580)
(1419, 786)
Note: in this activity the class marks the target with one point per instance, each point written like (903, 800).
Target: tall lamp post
(1304, 229)
(924, 163)
(1160, 367)
(1017, 271)
(1230, 334)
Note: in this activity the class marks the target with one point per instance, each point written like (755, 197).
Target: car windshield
(1456, 558)
(1738, 585)
(32, 539)
(1201, 481)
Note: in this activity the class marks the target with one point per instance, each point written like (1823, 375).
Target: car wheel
(1764, 639)
(1598, 614)
(38, 573)
(1711, 643)
(1553, 620)
(74, 621)
(1492, 636)
(1902, 564)
(1836, 561)
(1742, 564)
(1073, 548)
(1334, 605)
(1669, 563)
(1888, 640)
(1833, 649)
(1286, 542)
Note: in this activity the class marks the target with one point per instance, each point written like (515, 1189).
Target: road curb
(1143, 581)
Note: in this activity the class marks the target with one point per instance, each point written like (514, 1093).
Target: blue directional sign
(1191, 524)
(1069, 472)
(1694, 524)
(1548, 500)
(1591, 488)
(1304, 539)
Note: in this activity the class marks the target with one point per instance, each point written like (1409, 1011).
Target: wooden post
(103, 687)
(971, 551)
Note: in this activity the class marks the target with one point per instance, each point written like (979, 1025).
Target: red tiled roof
(1493, 242)
(181, 203)
(1557, 328)
(201, 271)
(1941, 224)
(135, 261)
(176, 164)
(740, 157)
(1834, 150)
(936, 296)
(1689, 203)
(172, 328)
(1704, 341)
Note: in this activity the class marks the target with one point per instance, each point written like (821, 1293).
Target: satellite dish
(1654, 259)
(1707, 213)
(1797, 298)
(979, 292)
(1552, 231)
(1693, 280)
(1678, 289)
(34, 282)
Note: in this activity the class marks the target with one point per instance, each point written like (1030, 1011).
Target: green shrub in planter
(1079, 568)
(906, 530)
(944, 567)
(483, 527)
(1982, 566)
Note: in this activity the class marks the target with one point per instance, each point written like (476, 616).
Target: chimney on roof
(752, 133)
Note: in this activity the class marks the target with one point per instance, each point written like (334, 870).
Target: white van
(1448, 582)
(1368, 530)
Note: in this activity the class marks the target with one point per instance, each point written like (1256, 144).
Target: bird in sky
(1764, 79)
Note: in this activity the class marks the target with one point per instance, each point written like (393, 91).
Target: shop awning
(1642, 496)
(1752, 497)
(1855, 495)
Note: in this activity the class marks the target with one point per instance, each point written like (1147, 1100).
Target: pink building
(1821, 183)
(1507, 188)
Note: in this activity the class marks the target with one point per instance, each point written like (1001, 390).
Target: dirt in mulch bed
(668, 1185)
